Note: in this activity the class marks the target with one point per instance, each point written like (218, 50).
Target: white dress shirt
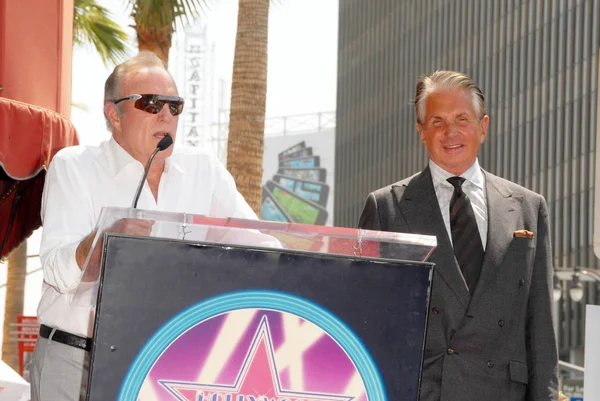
(474, 187)
(83, 179)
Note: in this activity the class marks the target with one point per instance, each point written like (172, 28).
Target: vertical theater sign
(197, 87)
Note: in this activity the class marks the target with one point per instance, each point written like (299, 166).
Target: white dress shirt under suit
(83, 179)
(474, 187)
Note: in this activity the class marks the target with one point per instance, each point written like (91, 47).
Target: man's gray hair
(143, 59)
(447, 80)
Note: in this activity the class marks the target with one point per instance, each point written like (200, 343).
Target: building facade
(537, 64)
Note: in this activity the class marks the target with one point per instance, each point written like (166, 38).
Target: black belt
(66, 338)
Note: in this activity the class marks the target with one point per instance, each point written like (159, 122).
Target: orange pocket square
(523, 234)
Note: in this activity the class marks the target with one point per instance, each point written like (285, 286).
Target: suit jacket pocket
(523, 251)
(518, 372)
(518, 380)
(525, 242)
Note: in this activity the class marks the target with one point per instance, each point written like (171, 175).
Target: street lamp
(575, 288)
(575, 276)
(557, 290)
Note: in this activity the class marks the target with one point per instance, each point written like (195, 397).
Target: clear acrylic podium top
(252, 234)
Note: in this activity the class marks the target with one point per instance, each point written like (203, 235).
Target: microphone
(164, 143)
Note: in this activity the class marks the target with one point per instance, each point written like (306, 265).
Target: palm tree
(155, 22)
(91, 24)
(245, 144)
(13, 306)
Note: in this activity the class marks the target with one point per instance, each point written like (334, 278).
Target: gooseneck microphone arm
(164, 143)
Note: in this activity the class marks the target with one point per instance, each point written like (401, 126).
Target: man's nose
(164, 114)
(451, 128)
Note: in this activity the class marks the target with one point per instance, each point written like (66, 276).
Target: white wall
(592, 353)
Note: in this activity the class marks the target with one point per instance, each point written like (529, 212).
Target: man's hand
(131, 226)
(123, 226)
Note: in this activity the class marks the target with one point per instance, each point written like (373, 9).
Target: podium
(223, 309)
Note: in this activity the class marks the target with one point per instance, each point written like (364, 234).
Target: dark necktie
(465, 234)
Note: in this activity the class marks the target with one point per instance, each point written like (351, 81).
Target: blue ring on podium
(274, 300)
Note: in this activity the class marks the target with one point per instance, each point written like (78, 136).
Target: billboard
(298, 178)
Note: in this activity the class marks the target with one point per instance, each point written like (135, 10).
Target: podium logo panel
(253, 346)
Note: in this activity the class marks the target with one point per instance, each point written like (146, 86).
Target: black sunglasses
(154, 103)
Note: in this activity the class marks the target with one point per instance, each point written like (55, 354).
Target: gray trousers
(59, 372)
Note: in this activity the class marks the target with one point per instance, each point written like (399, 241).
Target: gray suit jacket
(498, 344)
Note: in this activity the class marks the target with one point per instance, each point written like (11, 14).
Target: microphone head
(165, 143)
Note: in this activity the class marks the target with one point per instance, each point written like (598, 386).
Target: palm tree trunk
(155, 39)
(15, 297)
(245, 144)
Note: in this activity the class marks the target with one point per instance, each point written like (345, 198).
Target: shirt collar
(119, 159)
(473, 175)
(172, 164)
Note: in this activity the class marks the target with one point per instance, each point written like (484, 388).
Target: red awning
(29, 137)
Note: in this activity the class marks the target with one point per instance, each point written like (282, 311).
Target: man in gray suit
(489, 330)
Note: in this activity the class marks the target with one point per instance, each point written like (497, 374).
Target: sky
(302, 73)
(302, 66)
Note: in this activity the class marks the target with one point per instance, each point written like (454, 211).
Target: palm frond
(92, 24)
(80, 106)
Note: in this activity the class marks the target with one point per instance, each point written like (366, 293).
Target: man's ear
(112, 115)
(485, 121)
(421, 132)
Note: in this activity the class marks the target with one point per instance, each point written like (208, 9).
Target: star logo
(257, 380)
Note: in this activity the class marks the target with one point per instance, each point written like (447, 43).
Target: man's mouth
(453, 147)
(161, 135)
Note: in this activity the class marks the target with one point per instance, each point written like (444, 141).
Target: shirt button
(450, 351)
(490, 364)
(435, 311)
(521, 282)
(501, 323)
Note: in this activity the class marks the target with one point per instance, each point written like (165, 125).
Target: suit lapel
(504, 215)
(420, 208)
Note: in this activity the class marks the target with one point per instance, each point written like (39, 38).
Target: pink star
(258, 379)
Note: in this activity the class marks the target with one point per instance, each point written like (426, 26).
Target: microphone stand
(164, 143)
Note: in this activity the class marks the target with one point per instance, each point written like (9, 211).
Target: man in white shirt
(489, 330)
(141, 106)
